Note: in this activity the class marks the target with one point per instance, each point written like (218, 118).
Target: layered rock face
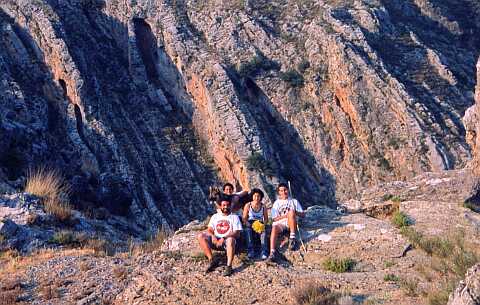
(143, 104)
(472, 126)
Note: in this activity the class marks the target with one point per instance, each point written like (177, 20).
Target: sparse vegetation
(50, 292)
(293, 78)
(400, 219)
(257, 162)
(84, 266)
(393, 198)
(451, 258)
(389, 264)
(11, 291)
(198, 257)
(313, 293)
(258, 63)
(50, 186)
(471, 206)
(438, 297)
(303, 66)
(339, 265)
(153, 243)
(391, 278)
(410, 286)
(100, 247)
(67, 238)
(120, 272)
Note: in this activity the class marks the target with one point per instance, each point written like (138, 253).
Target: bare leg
(202, 240)
(292, 221)
(230, 242)
(273, 237)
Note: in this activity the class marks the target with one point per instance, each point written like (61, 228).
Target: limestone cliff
(143, 104)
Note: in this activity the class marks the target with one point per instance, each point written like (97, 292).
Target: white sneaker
(264, 256)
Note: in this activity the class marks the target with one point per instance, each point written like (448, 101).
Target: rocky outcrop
(468, 291)
(146, 103)
(472, 125)
(25, 226)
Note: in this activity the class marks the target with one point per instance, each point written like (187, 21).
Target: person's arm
(298, 209)
(265, 214)
(245, 213)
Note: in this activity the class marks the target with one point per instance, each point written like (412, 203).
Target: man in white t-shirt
(284, 215)
(223, 229)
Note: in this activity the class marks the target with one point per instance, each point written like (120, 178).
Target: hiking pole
(298, 227)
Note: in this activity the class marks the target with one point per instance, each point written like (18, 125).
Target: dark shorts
(223, 247)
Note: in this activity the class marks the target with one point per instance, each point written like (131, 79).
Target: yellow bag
(258, 227)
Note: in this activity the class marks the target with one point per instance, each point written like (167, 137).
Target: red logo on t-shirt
(223, 226)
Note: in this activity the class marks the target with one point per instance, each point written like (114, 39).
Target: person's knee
(277, 228)
(201, 236)
(292, 213)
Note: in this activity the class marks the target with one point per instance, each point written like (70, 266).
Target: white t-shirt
(282, 206)
(222, 225)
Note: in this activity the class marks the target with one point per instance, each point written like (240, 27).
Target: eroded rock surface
(143, 104)
(468, 291)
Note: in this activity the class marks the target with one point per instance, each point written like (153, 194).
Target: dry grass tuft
(49, 184)
(11, 291)
(120, 272)
(50, 292)
(312, 293)
(100, 247)
(84, 266)
(154, 243)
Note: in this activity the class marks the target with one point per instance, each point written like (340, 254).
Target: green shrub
(339, 265)
(67, 238)
(258, 63)
(400, 219)
(471, 206)
(303, 66)
(257, 162)
(391, 278)
(292, 78)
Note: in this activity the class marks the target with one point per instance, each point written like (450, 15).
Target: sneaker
(264, 257)
(211, 266)
(228, 271)
(292, 244)
(251, 255)
(272, 258)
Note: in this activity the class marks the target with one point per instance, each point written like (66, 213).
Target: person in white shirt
(284, 215)
(223, 229)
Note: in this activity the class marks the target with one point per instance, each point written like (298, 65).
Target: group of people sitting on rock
(224, 228)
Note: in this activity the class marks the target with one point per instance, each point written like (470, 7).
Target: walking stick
(298, 227)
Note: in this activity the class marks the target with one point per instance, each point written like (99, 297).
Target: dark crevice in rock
(146, 43)
(293, 161)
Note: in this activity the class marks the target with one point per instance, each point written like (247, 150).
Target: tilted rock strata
(139, 102)
(472, 125)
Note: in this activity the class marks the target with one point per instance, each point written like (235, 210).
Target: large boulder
(468, 291)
